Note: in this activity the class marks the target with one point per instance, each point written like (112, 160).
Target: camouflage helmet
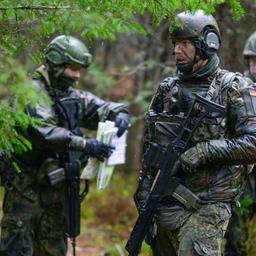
(250, 46)
(67, 50)
(202, 29)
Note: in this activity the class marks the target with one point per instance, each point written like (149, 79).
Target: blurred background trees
(132, 53)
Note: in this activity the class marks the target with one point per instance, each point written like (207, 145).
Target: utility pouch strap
(186, 197)
(56, 176)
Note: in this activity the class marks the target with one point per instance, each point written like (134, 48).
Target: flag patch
(252, 92)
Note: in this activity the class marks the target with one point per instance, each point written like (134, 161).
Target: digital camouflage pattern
(33, 222)
(225, 145)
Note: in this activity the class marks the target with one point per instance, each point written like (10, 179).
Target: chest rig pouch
(166, 123)
(176, 101)
(67, 110)
(163, 125)
(167, 127)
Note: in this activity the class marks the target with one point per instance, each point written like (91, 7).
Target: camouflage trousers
(27, 229)
(185, 233)
(241, 233)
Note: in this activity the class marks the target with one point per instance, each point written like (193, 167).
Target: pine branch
(35, 7)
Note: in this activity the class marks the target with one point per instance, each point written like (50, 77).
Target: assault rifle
(165, 160)
(70, 174)
(73, 198)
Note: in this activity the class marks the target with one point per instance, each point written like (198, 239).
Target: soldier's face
(73, 72)
(252, 66)
(184, 51)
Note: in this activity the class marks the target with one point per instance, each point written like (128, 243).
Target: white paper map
(104, 170)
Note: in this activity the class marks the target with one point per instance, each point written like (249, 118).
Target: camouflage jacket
(53, 138)
(228, 143)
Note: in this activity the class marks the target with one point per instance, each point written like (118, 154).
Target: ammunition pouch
(185, 196)
(165, 132)
(50, 173)
(163, 128)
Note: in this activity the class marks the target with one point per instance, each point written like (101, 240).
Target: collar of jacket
(42, 73)
(248, 74)
(208, 69)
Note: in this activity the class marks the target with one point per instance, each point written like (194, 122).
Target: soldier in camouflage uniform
(250, 57)
(33, 221)
(239, 240)
(214, 167)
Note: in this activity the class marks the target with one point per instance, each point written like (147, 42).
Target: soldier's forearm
(51, 138)
(235, 151)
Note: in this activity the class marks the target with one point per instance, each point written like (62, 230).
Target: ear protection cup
(211, 41)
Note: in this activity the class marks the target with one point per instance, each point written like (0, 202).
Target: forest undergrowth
(107, 217)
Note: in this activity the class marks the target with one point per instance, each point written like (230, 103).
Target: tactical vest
(169, 108)
(173, 101)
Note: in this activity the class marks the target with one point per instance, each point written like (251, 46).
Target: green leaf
(10, 13)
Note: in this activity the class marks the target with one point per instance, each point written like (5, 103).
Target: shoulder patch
(252, 92)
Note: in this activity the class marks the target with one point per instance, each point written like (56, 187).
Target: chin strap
(188, 67)
(59, 72)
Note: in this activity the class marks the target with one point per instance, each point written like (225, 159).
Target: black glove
(97, 149)
(122, 122)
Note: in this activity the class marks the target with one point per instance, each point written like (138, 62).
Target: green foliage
(26, 25)
(15, 89)
(236, 9)
(37, 19)
(109, 215)
(246, 204)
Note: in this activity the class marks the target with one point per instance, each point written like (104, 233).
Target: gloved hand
(122, 122)
(97, 149)
(192, 159)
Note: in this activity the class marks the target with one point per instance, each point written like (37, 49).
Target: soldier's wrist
(77, 143)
